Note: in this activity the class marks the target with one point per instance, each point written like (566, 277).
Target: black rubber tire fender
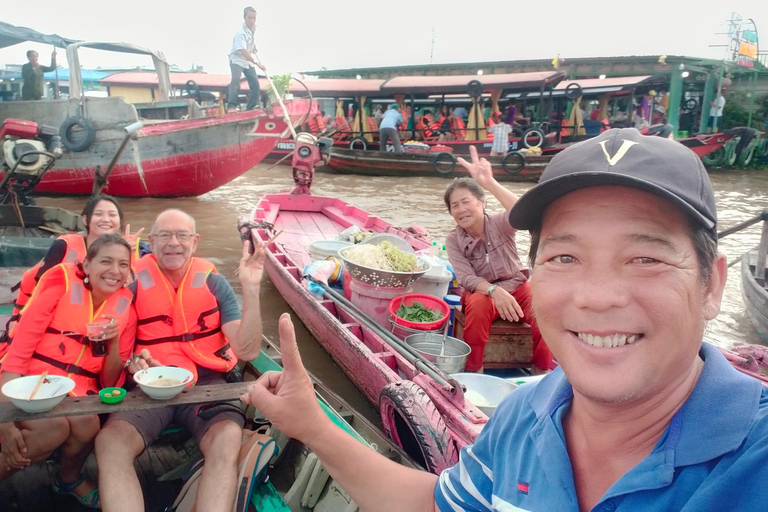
(444, 158)
(412, 421)
(513, 162)
(690, 105)
(475, 88)
(746, 156)
(715, 158)
(358, 141)
(573, 91)
(192, 89)
(81, 141)
(531, 131)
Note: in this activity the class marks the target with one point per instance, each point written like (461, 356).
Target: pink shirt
(494, 259)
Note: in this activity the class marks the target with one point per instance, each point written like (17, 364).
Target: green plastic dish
(111, 399)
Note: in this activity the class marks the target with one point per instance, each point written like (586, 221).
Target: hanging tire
(573, 91)
(746, 156)
(193, 90)
(77, 134)
(730, 156)
(475, 88)
(413, 422)
(358, 143)
(690, 105)
(715, 158)
(529, 134)
(444, 163)
(513, 162)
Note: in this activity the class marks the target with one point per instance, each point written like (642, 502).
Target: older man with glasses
(188, 317)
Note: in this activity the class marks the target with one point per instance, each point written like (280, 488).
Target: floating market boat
(178, 152)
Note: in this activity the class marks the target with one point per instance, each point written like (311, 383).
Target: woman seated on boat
(51, 337)
(102, 215)
(483, 253)
(445, 133)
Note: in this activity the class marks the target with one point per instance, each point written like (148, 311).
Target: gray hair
(176, 210)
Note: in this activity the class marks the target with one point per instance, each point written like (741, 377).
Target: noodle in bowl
(163, 382)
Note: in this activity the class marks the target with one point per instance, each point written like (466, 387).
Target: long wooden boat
(513, 167)
(296, 482)
(431, 422)
(179, 152)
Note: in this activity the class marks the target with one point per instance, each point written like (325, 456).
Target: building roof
(89, 75)
(459, 83)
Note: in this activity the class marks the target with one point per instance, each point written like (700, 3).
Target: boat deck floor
(30, 490)
(304, 228)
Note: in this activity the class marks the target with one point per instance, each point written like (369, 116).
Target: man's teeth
(617, 340)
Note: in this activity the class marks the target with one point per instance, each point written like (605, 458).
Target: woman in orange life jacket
(102, 215)
(51, 336)
(424, 126)
(443, 125)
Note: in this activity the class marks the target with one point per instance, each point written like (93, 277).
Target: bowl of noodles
(163, 382)
(382, 264)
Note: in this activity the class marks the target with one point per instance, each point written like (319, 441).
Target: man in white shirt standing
(241, 61)
(716, 112)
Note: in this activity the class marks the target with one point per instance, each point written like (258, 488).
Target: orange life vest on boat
(424, 127)
(64, 348)
(316, 124)
(458, 127)
(180, 328)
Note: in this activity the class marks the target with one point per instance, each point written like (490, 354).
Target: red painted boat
(178, 152)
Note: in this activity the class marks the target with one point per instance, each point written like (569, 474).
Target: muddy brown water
(405, 202)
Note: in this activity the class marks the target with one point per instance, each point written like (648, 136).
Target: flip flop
(90, 500)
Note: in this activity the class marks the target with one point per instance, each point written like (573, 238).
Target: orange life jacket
(458, 127)
(64, 348)
(180, 328)
(316, 124)
(424, 126)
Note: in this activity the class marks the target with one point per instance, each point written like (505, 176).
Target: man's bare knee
(222, 441)
(84, 428)
(119, 439)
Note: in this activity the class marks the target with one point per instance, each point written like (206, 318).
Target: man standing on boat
(641, 415)
(391, 119)
(242, 62)
(187, 316)
(33, 74)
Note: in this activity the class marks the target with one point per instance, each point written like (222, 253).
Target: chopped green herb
(417, 312)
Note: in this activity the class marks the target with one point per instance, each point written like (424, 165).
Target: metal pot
(453, 359)
(493, 389)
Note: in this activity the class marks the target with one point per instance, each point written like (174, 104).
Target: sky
(303, 35)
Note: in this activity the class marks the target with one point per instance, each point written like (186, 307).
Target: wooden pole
(279, 99)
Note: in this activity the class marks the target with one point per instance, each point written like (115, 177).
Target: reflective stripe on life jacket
(180, 327)
(64, 347)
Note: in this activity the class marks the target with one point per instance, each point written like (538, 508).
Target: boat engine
(308, 152)
(25, 156)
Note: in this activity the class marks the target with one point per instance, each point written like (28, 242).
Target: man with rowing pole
(187, 316)
(641, 415)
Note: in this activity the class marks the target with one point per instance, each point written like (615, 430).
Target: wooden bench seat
(510, 345)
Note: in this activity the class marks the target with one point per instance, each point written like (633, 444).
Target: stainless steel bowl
(493, 389)
(375, 277)
(452, 360)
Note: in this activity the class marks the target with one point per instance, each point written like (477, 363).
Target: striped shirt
(500, 137)
(711, 458)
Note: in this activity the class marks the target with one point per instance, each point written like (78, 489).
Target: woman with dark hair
(52, 336)
(483, 253)
(102, 215)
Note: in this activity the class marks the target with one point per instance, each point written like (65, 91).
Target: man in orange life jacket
(188, 317)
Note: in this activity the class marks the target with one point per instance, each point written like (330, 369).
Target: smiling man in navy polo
(641, 415)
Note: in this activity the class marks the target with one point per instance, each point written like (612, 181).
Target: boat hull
(755, 295)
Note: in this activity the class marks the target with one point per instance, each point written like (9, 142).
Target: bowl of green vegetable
(382, 265)
(419, 311)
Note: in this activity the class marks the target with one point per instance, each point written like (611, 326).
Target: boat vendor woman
(102, 215)
(51, 336)
(482, 251)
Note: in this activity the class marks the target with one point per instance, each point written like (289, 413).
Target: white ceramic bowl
(492, 389)
(146, 379)
(50, 394)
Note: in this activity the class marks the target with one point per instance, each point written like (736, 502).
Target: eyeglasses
(165, 236)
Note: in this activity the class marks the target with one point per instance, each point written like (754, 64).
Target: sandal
(90, 500)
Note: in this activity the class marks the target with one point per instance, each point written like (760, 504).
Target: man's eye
(563, 258)
(644, 260)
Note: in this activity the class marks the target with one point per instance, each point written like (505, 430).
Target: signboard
(745, 47)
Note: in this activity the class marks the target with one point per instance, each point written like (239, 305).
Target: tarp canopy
(11, 35)
(458, 83)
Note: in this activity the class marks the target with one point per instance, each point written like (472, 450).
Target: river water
(415, 201)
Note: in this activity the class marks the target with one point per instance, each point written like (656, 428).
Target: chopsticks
(237, 270)
(37, 386)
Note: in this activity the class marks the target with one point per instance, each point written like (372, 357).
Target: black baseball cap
(622, 156)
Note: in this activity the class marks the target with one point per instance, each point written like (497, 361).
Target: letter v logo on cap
(613, 160)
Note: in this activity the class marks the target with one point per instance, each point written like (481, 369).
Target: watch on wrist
(490, 289)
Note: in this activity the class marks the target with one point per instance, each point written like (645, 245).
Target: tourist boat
(755, 292)
(295, 480)
(513, 167)
(165, 158)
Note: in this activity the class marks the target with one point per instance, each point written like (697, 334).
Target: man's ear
(713, 296)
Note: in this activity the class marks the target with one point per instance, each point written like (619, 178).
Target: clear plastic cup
(96, 337)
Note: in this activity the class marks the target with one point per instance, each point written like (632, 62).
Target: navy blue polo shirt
(712, 457)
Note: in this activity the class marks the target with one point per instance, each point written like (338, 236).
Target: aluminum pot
(453, 359)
